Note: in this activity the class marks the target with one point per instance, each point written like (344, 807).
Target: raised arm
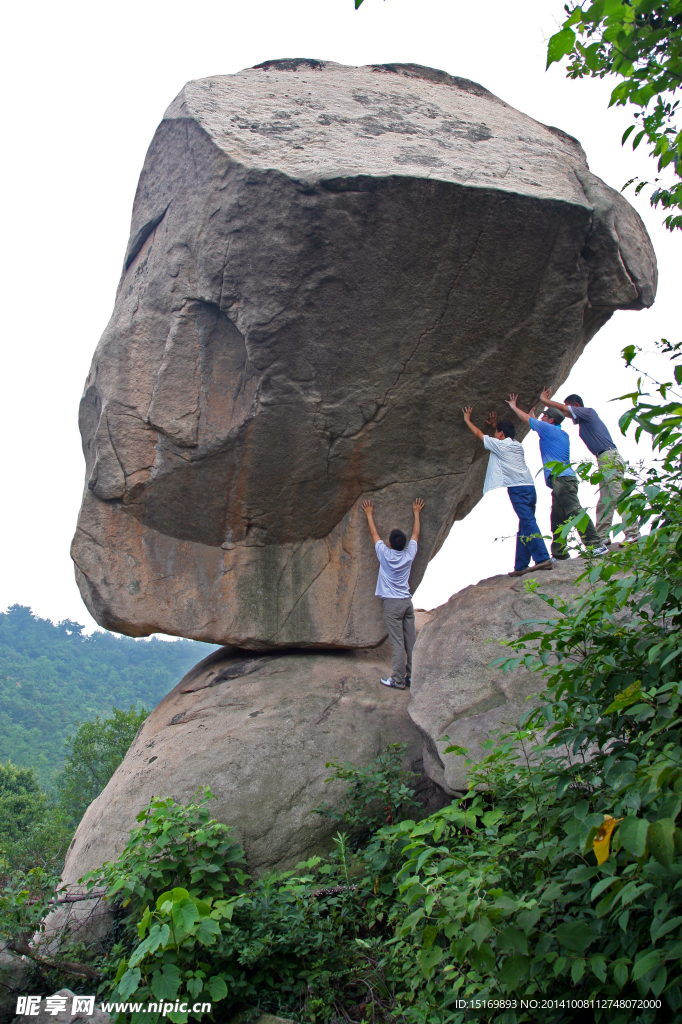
(511, 402)
(472, 426)
(368, 509)
(565, 409)
(417, 506)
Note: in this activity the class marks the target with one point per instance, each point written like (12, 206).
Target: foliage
(53, 675)
(376, 795)
(588, 889)
(94, 754)
(36, 829)
(640, 42)
(21, 801)
(275, 942)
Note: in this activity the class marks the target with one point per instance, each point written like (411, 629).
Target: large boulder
(325, 263)
(456, 696)
(258, 729)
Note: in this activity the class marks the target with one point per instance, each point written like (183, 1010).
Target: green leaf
(207, 932)
(633, 833)
(480, 930)
(129, 983)
(559, 45)
(575, 935)
(577, 970)
(602, 884)
(659, 980)
(482, 959)
(428, 958)
(646, 963)
(217, 987)
(512, 940)
(513, 969)
(660, 840)
(620, 974)
(188, 914)
(166, 982)
(598, 967)
(658, 930)
(195, 987)
(411, 921)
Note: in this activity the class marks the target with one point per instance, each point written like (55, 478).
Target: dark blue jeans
(529, 542)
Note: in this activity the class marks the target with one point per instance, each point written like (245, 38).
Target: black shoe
(408, 680)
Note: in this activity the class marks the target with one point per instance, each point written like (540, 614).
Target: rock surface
(14, 974)
(258, 729)
(454, 691)
(325, 263)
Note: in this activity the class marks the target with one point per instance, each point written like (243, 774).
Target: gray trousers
(566, 505)
(399, 619)
(610, 490)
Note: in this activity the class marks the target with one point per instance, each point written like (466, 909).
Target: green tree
(640, 43)
(22, 802)
(95, 753)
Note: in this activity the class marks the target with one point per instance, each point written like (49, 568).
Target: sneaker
(519, 572)
(547, 564)
(392, 683)
(601, 550)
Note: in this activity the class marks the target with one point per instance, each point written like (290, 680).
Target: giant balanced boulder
(325, 264)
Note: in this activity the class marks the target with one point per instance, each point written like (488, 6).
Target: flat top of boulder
(316, 119)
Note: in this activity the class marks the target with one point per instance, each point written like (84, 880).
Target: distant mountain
(52, 676)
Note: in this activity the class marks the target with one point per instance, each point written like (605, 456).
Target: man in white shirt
(395, 565)
(507, 468)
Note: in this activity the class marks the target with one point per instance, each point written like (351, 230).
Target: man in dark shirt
(595, 436)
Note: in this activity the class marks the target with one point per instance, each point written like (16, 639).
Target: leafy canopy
(94, 754)
(639, 42)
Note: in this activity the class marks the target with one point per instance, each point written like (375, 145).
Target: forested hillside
(52, 676)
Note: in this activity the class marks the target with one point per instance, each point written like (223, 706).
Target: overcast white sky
(84, 88)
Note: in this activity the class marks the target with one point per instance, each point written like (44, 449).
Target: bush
(197, 927)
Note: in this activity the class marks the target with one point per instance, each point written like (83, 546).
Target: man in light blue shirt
(555, 446)
(395, 565)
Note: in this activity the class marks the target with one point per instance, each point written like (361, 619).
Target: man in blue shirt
(395, 565)
(555, 447)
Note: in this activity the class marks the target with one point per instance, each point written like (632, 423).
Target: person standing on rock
(395, 565)
(507, 468)
(596, 437)
(555, 446)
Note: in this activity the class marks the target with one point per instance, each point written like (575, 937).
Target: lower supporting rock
(257, 729)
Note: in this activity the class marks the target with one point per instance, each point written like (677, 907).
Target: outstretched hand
(512, 400)
(417, 506)
(545, 396)
(368, 508)
(467, 410)
(492, 419)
